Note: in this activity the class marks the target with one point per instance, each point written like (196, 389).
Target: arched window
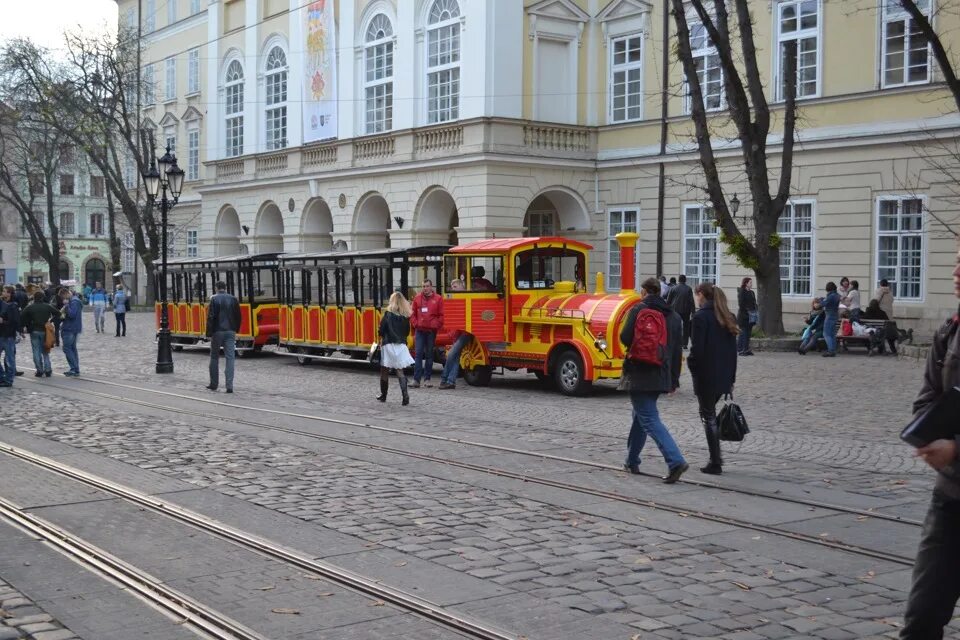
(233, 87)
(443, 61)
(95, 272)
(378, 74)
(65, 271)
(67, 224)
(276, 83)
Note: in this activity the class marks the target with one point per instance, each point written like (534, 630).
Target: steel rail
(878, 515)
(505, 473)
(200, 618)
(356, 582)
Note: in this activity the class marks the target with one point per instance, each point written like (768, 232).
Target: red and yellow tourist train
(524, 301)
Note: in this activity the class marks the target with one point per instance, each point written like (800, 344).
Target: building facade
(403, 122)
(8, 246)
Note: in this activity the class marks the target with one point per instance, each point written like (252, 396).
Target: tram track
(216, 625)
(524, 477)
(878, 515)
(202, 620)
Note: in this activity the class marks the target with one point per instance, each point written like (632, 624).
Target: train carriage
(191, 282)
(332, 301)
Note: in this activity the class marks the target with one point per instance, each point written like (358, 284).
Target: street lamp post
(158, 183)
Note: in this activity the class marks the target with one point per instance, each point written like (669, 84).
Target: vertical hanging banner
(320, 69)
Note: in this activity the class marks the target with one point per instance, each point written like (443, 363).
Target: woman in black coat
(712, 362)
(746, 315)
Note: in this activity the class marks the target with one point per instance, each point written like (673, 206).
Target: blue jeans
(646, 421)
(452, 367)
(9, 348)
(423, 360)
(41, 359)
(227, 340)
(830, 333)
(69, 340)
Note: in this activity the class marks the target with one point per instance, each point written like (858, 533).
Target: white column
(213, 121)
(346, 77)
(504, 56)
(295, 75)
(252, 79)
(405, 68)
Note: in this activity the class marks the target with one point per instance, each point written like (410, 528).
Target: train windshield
(542, 268)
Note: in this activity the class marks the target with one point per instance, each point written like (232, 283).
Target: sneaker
(427, 383)
(212, 387)
(229, 390)
(415, 384)
(675, 473)
(632, 468)
(19, 373)
(4, 383)
(48, 373)
(829, 354)
(712, 469)
(446, 385)
(38, 374)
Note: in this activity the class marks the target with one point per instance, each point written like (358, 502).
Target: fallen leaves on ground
(286, 611)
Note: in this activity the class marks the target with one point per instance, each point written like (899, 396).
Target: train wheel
(478, 376)
(303, 360)
(569, 374)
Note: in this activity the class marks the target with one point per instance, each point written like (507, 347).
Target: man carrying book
(936, 572)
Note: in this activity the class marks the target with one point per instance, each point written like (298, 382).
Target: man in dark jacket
(936, 580)
(9, 328)
(20, 296)
(680, 300)
(427, 320)
(223, 322)
(647, 382)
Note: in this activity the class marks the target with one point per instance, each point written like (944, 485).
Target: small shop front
(81, 263)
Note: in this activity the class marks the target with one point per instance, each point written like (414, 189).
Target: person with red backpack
(652, 334)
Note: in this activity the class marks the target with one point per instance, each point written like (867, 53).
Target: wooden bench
(883, 328)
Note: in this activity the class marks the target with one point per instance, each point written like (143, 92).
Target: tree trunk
(769, 300)
(116, 252)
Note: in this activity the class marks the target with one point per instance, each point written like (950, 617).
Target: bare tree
(30, 157)
(750, 114)
(99, 88)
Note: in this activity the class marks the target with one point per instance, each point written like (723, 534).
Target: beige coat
(885, 297)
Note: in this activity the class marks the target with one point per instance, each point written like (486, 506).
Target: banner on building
(320, 69)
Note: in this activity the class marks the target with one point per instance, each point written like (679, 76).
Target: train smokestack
(628, 261)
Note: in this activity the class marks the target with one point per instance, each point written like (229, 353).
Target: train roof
(369, 253)
(255, 257)
(505, 245)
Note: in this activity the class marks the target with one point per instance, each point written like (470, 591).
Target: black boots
(403, 391)
(712, 431)
(384, 385)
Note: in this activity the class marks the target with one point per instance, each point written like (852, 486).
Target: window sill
(904, 85)
(169, 101)
(193, 94)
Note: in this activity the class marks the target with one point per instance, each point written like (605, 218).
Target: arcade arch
(437, 218)
(555, 211)
(371, 223)
(226, 236)
(269, 229)
(316, 228)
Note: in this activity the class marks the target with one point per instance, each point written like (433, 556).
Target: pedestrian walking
(713, 363)
(451, 368)
(852, 301)
(652, 334)
(680, 300)
(121, 301)
(427, 319)
(52, 295)
(664, 287)
(884, 295)
(98, 300)
(747, 315)
(34, 321)
(71, 325)
(394, 352)
(223, 322)
(831, 318)
(936, 580)
(20, 296)
(9, 329)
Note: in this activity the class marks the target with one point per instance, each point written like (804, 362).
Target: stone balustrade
(557, 138)
(319, 156)
(438, 139)
(272, 164)
(230, 169)
(378, 147)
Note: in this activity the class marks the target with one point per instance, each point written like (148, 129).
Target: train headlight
(601, 344)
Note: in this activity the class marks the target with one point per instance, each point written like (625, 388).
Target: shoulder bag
(731, 421)
(50, 336)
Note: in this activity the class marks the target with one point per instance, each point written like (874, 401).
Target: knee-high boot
(384, 384)
(403, 390)
(712, 431)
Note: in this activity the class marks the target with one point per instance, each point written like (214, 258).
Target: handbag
(731, 421)
(753, 317)
(49, 337)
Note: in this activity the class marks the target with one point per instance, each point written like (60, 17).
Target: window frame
(901, 14)
(626, 67)
(276, 83)
(193, 154)
(170, 79)
(68, 181)
(102, 183)
(430, 29)
(611, 241)
(233, 119)
(798, 35)
(73, 223)
(812, 234)
(171, 11)
(193, 243)
(899, 234)
(385, 82)
(150, 16)
(149, 85)
(90, 224)
(695, 279)
(193, 71)
(705, 53)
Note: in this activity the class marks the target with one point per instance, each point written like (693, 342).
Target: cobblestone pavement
(20, 617)
(819, 427)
